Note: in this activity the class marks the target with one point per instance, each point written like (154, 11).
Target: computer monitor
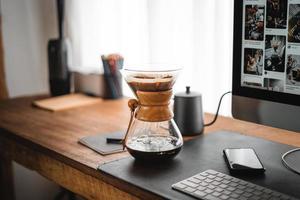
(266, 62)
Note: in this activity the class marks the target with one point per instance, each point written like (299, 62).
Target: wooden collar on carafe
(154, 106)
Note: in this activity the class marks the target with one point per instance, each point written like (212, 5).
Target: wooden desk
(47, 143)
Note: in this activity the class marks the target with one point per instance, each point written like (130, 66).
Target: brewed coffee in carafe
(152, 133)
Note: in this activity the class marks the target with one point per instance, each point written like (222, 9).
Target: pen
(114, 140)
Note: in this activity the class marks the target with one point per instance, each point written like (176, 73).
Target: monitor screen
(271, 45)
(267, 50)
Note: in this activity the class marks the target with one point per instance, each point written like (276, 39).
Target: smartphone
(243, 160)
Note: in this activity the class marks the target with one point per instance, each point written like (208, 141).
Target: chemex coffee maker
(152, 134)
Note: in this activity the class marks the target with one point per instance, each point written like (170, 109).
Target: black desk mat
(200, 154)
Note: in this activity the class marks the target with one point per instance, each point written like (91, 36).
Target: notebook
(65, 102)
(98, 143)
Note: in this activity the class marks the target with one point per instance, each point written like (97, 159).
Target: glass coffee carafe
(152, 133)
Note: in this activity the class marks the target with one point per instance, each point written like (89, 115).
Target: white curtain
(193, 34)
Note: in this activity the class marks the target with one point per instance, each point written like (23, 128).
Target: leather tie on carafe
(132, 104)
(151, 107)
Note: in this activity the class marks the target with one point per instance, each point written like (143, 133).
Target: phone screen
(242, 159)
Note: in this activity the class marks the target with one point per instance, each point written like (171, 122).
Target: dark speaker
(59, 75)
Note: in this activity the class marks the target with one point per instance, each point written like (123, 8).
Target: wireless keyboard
(213, 185)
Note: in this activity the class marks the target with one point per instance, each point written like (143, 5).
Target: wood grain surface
(47, 142)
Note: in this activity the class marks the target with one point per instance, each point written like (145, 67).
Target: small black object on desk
(114, 140)
(104, 144)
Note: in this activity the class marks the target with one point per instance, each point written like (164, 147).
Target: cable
(217, 113)
(286, 164)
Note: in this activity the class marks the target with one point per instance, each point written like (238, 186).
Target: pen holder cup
(113, 86)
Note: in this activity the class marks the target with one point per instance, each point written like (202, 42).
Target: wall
(27, 26)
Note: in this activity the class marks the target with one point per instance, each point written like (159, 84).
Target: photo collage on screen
(271, 45)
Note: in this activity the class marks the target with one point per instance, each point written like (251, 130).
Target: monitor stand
(290, 159)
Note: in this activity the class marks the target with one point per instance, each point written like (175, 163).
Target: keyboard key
(203, 184)
(221, 175)
(211, 176)
(241, 182)
(189, 189)
(233, 195)
(247, 194)
(224, 197)
(233, 184)
(199, 194)
(208, 191)
(267, 191)
(223, 186)
(180, 186)
(250, 185)
(189, 183)
(225, 181)
(235, 180)
(208, 180)
(249, 189)
(219, 189)
(210, 197)
(227, 192)
(216, 183)
(218, 179)
(257, 192)
(275, 198)
(258, 188)
(238, 191)
(266, 196)
(216, 194)
(228, 178)
(200, 177)
(201, 188)
(204, 174)
(241, 187)
(212, 172)
(276, 194)
(255, 198)
(211, 187)
(194, 180)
